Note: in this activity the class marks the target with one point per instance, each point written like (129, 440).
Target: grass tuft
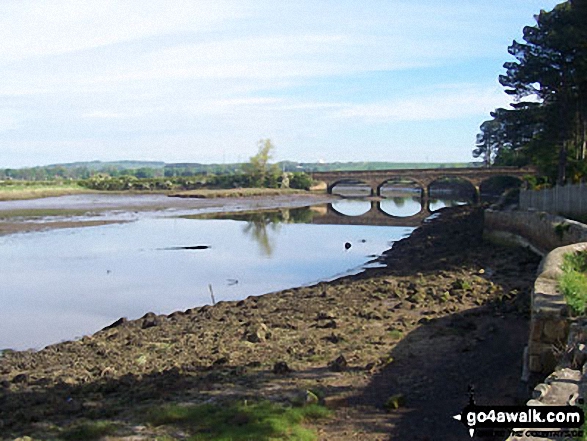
(242, 421)
(92, 430)
(573, 282)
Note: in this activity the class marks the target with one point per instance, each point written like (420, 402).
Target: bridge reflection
(393, 212)
(374, 215)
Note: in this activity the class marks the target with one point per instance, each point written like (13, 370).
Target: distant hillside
(100, 165)
(345, 166)
(152, 169)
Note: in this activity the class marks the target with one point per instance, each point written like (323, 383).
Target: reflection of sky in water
(401, 206)
(351, 207)
(437, 204)
(65, 283)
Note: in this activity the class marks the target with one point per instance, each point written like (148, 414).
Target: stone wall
(543, 231)
(553, 236)
(549, 323)
(556, 343)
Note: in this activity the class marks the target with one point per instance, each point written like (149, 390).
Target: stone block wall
(543, 231)
(553, 236)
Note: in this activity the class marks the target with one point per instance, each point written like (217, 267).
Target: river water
(61, 284)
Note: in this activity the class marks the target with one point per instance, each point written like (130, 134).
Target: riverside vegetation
(390, 351)
(573, 281)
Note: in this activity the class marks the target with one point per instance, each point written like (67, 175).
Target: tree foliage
(260, 172)
(547, 122)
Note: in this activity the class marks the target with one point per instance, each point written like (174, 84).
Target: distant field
(234, 193)
(14, 190)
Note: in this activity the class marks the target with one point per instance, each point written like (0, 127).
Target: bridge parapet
(422, 177)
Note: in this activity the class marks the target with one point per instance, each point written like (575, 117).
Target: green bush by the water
(236, 180)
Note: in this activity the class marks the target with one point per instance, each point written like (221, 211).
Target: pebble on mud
(338, 365)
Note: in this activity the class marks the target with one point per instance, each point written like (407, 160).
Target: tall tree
(258, 168)
(548, 81)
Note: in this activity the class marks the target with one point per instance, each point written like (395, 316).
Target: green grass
(241, 421)
(235, 192)
(573, 282)
(14, 190)
(92, 430)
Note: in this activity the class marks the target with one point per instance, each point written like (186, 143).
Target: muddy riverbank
(74, 211)
(447, 312)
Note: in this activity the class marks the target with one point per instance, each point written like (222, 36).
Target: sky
(205, 80)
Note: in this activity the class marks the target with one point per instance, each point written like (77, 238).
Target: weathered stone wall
(549, 324)
(543, 231)
(553, 236)
(549, 341)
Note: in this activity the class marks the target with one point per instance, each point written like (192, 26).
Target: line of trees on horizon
(77, 171)
(546, 125)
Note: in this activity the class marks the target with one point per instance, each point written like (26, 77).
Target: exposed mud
(449, 310)
(73, 211)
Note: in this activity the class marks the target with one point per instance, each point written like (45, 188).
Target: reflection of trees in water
(406, 205)
(264, 226)
(258, 228)
(399, 201)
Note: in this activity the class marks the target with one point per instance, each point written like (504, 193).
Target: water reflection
(437, 204)
(352, 190)
(352, 207)
(262, 230)
(401, 206)
(72, 282)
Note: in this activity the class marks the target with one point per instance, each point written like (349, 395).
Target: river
(161, 256)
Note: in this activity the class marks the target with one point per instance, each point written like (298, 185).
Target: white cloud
(31, 28)
(441, 105)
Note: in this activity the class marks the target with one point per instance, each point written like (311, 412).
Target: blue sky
(203, 81)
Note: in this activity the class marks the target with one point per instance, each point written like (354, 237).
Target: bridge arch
(494, 186)
(446, 183)
(402, 182)
(349, 181)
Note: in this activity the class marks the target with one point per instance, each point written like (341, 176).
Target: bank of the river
(448, 311)
(101, 208)
(31, 190)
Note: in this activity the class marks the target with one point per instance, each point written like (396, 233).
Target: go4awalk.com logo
(558, 420)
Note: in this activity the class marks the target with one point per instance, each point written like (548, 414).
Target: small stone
(370, 366)
(331, 324)
(310, 398)
(257, 334)
(338, 365)
(150, 320)
(395, 402)
(281, 368)
(221, 361)
(108, 372)
(334, 338)
(325, 315)
(20, 378)
(117, 323)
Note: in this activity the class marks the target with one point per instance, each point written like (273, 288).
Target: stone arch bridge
(421, 177)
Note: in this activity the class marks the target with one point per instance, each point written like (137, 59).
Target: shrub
(573, 282)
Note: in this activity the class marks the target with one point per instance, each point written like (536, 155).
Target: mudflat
(75, 211)
(391, 351)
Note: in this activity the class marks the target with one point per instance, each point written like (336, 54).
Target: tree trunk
(562, 164)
